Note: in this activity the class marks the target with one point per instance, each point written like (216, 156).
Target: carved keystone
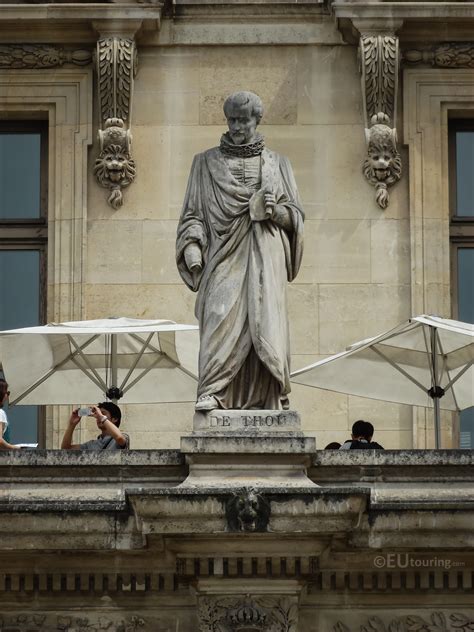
(379, 65)
(116, 63)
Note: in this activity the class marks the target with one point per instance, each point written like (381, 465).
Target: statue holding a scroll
(240, 240)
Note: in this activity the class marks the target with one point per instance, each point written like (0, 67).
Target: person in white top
(4, 393)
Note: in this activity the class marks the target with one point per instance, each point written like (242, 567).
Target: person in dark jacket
(362, 433)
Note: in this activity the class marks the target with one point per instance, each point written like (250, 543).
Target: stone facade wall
(355, 277)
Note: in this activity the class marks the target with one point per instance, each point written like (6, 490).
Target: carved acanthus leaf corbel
(379, 65)
(116, 68)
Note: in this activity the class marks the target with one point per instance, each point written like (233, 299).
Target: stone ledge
(281, 443)
(81, 458)
(324, 458)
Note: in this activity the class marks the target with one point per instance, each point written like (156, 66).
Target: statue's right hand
(193, 257)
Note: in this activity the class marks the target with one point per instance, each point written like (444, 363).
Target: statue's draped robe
(241, 307)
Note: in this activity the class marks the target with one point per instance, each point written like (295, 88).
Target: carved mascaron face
(381, 159)
(242, 124)
(115, 165)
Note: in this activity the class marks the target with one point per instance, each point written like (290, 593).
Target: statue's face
(242, 124)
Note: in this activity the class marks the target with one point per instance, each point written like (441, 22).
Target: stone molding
(247, 565)
(304, 570)
(434, 621)
(202, 511)
(386, 12)
(66, 96)
(379, 65)
(446, 55)
(37, 56)
(116, 64)
(141, 499)
(81, 16)
(98, 582)
(429, 96)
(248, 614)
(73, 622)
(183, 22)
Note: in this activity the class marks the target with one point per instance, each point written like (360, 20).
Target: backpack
(365, 445)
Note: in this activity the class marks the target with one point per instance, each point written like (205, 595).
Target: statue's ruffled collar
(228, 148)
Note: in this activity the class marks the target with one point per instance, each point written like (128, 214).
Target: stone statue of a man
(240, 239)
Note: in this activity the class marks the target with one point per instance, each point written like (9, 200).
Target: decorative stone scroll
(447, 55)
(436, 622)
(379, 64)
(264, 614)
(116, 68)
(31, 57)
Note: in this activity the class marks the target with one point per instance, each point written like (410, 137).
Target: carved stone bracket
(379, 66)
(116, 63)
(30, 57)
(447, 55)
(248, 614)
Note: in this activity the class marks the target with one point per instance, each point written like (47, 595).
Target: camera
(84, 412)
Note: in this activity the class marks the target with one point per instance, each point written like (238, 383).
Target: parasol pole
(435, 392)
(113, 392)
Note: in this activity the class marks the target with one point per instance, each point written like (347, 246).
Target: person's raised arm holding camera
(108, 417)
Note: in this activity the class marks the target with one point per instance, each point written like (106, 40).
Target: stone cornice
(354, 9)
(124, 500)
(411, 21)
(181, 22)
(56, 23)
(79, 12)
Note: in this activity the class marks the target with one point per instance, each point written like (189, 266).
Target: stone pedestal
(247, 448)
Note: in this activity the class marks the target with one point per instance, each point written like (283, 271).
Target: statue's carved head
(243, 111)
(383, 165)
(247, 510)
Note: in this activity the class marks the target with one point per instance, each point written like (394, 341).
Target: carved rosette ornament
(262, 614)
(116, 68)
(379, 64)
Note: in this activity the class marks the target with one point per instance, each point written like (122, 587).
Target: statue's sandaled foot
(285, 403)
(206, 402)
